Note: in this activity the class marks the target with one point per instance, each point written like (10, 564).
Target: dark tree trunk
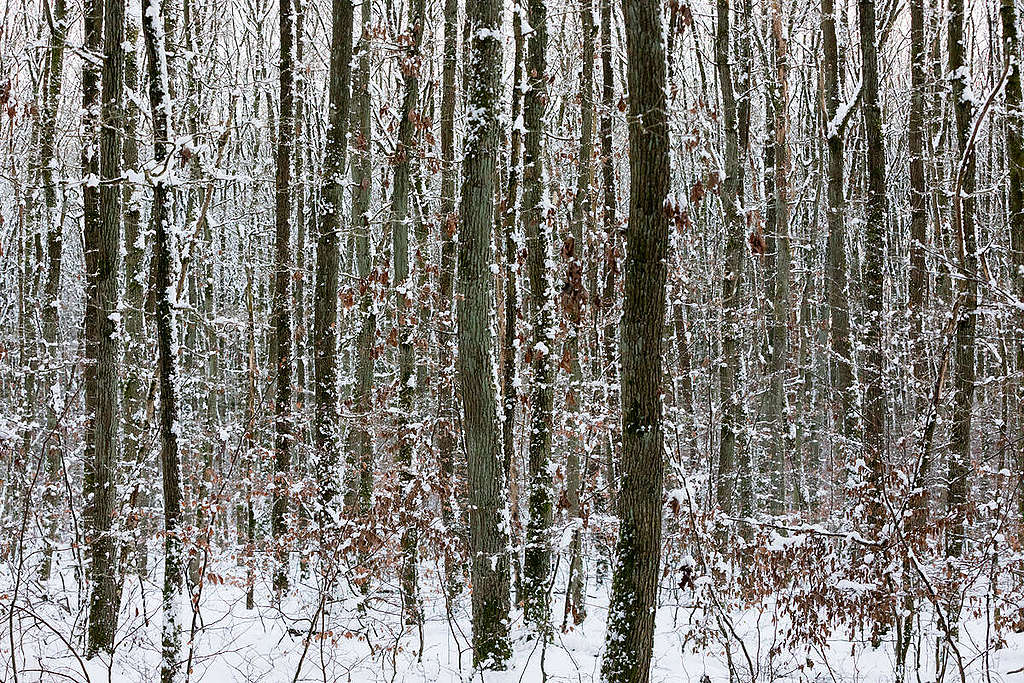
(165, 254)
(958, 493)
(325, 312)
(537, 554)
(631, 612)
(488, 537)
(873, 267)
(281, 314)
(103, 346)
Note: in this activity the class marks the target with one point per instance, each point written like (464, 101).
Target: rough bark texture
(359, 484)
(1015, 199)
(735, 110)
(873, 266)
(446, 445)
(54, 253)
(537, 555)
(488, 532)
(165, 253)
(103, 345)
(282, 319)
(510, 274)
(967, 242)
(780, 441)
(836, 266)
(918, 286)
(573, 300)
(325, 307)
(635, 580)
(604, 306)
(404, 150)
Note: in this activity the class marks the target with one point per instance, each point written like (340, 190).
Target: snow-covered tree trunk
(326, 417)
(487, 503)
(537, 554)
(102, 240)
(631, 612)
(167, 269)
(281, 313)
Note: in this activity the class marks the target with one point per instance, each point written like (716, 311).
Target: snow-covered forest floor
(362, 638)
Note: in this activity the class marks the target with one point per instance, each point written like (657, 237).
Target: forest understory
(511, 340)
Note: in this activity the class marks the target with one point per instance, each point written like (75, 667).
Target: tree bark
(405, 149)
(964, 367)
(780, 440)
(573, 301)
(325, 314)
(103, 346)
(735, 113)
(1015, 194)
(836, 267)
(537, 555)
(359, 485)
(873, 268)
(488, 536)
(51, 292)
(281, 315)
(633, 604)
(166, 256)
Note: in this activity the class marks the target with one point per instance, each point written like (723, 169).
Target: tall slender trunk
(958, 493)
(134, 389)
(404, 150)
(488, 512)
(836, 266)
(446, 445)
(103, 345)
(781, 441)
(510, 274)
(281, 314)
(325, 313)
(1015, 192)
(166, 257)
(51, 291)
(573, 300)
(359, 484)
(918, 287)
(633, 604)
(605, 305)
(735, 107)
(873, 267)
(537, 555)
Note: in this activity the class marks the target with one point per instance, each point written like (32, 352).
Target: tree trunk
(604, 307)
(103, 346)
(403, 290)
(836, 267)
(488, 536)
(510, 277)
(873, 268)
(282, 321)
(780, 440)
(958, 494)
(325, 314)
(918, 286)
(1015, 190)
(51, 292)
(736, 111)
(632, 608)
(165, 253)
(537, 555)
(446, 445)
(359, 484)
(573, 301)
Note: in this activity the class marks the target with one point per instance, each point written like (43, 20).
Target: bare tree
(631, 612)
